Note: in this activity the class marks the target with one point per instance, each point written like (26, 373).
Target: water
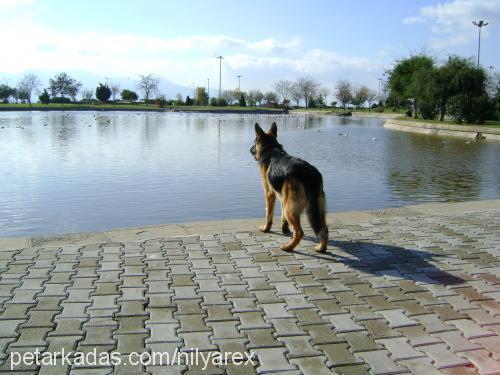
(83, 171)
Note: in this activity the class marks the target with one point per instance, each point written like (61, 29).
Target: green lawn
(137, 107)
(490, 123)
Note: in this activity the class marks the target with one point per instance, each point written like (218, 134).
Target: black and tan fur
(298, 185)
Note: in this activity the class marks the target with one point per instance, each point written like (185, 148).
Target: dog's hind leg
(270, 200)
(285, 228)
(293, 204)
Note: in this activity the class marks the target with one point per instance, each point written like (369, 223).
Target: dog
(298, 185)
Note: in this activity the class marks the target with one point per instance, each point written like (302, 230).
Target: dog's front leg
(270, 199)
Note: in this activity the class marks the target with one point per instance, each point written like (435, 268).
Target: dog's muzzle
(253, 151)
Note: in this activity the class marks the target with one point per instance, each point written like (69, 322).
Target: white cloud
(452, 21)
(413, 20)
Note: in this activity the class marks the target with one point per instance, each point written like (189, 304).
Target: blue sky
(263, 41)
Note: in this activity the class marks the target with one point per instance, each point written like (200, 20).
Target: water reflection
(84, 171)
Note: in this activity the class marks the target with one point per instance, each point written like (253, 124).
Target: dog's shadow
(388, 260)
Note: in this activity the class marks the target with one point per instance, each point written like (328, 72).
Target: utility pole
(480, 25)
(208, 90)
(220, 76)
(379, 81)
(239, 83)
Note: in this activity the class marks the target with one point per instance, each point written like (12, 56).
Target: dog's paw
(265, 228)
(286, 248)
(320, 249)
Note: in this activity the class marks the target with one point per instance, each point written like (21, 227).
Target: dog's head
(264, 140)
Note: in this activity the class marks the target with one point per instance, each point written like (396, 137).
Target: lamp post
(208, 89)
(220, 75)
(379, 81)
(480, 25)
(239, 83)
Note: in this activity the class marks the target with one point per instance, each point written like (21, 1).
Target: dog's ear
(258, 130)
(273, 130)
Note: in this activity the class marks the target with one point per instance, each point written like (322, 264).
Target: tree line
(457, 88)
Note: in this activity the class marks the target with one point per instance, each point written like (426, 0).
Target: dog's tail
(316, 211)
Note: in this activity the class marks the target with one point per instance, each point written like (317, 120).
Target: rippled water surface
(83, 171)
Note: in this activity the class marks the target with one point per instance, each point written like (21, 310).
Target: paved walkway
(411, 290)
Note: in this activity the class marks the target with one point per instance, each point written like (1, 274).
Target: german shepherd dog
(297, 184)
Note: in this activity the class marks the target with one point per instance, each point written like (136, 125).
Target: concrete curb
(237, 225)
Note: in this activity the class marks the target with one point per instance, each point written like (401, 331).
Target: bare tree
(308, 88)
(323, 93)
(115, 90)
(296, 94)
(371, 97)
(29, 83)
(87, 94)
(270, 97)
(284, 89)
(148, 85)
(256, 96)
(343, 92)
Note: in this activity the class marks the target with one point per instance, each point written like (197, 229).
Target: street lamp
(220, 75)
(208, 89)
(379, 81)
(480, 25)
(239, 83)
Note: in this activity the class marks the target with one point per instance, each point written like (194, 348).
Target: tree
(270, 97)
(360, 96)
(44, 97)
(323, 92)
(371, 97)
(64, 85)
(129, 96)
(103, 92)
(343, 92)
(87, 94)
(149, 85)
(284, 89)
(189, 101)
(308, 87)
(242, 102)
(115, 89)
(296, 94)
(201, 96)
(29, 83)
(5, 93)
(409, 79)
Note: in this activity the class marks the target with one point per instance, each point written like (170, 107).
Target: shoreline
(144, 233)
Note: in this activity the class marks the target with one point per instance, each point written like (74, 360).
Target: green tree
(201, 96)
(343, 92)
(411, 79)
(6, 92)
(44, 97)
(102, 92)
(129, 96)
(189, 101)
(360, 96)
(242, 102)
(64, 85)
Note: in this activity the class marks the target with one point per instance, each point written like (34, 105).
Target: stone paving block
(189, 306)
(299, 346)
(275, 310)
(420, 366)
(197, 340)
(237, 345)
(311, 365)
(433, 324)
(338, 354)
(443, 357)
(491, 343)
(360, 341)
(8, 328)
(344, 323)
(330, 306)
(322, 334)
(379, 329)
(243, 304)
(68, 327)
(251, 320)
(162, 332)
(261, 338)
(129, 343)
(192, 323)
(225, 330)
(470, 329)
(445, 313)
(482, 360)
(400, 349)
(482, 318)
(272, 360)
(380, 363)
(456, 341)
(397, 318)
(32, 337)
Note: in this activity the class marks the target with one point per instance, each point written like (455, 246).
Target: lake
(66, 172)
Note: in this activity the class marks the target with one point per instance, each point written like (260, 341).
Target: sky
(263, 41)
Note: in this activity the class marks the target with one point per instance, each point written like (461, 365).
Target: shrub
(379, 109)
(44, 97)
(214, 102)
